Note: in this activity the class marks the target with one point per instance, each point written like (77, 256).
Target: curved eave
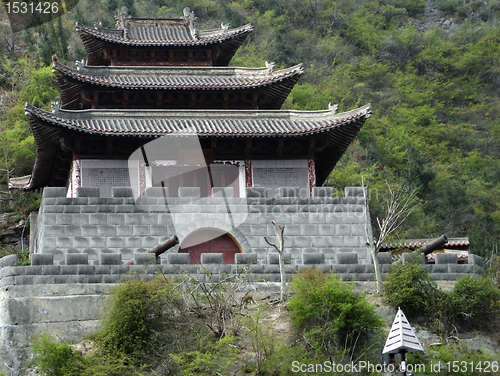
(339, 130)
(227, 43)
(47, 147)
(218, 38)
(277, 84)
(204, 123)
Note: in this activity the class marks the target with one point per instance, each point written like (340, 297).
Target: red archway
(209, 241)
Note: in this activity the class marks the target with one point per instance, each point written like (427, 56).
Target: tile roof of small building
(454, 243)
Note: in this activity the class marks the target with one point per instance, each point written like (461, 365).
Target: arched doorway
(209, 241)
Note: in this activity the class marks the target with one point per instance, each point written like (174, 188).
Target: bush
(334, 317)
(453, 360)
(411, 288)
(475, 296)
(55, 359)
(212, 360)
(132, 315)
(60, 359)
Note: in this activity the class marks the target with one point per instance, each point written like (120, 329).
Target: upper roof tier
(160, 41)
(245, 88)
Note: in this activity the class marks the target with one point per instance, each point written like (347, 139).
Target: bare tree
(397, 207)
(280, 249)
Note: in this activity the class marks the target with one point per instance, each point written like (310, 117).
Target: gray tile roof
(338, 130)
(222, 123)
(168, 35)
(204, 78)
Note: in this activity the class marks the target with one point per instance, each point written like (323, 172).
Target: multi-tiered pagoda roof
(116, 103)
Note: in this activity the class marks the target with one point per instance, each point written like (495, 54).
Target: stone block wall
(94, 226)
(77, 268)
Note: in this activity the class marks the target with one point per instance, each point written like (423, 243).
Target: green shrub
(453, 359)
(213, 359)
(475, 296)
(411, 288)
(335, 319)
(133, 308)
(55, 359)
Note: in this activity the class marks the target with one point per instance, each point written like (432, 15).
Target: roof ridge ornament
(55, 106)
(225, 27)
(190, 17)
(97, 25)
(80, 64)
(270, 66)
(333, 107)
(120, 20)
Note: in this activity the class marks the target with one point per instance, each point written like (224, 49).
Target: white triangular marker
(401, 336)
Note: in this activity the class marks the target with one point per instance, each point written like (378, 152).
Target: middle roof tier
(94, 87)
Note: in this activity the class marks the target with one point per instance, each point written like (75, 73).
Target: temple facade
(155, 107)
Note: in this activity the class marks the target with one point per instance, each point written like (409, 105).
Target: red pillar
(248, 172)
(311, 168)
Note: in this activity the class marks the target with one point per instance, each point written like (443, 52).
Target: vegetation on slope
(429, 69)
(165, 327)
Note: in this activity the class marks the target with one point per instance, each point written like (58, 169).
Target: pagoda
(155, 77)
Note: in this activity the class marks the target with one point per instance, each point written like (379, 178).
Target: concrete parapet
(355, 192)
(42, 259)
(322, 192)
(273, 258)
(50, 192)
(446, 258)
(193, 192)
(212, 258)
(179, 258)
(87, 192)
(10, 260)
(144, 258)
(77, 259)
(384, 257)
(475, 260)
(245, 258)
(220, 192)
(122, 192)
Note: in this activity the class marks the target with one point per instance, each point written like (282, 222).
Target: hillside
(429, 69)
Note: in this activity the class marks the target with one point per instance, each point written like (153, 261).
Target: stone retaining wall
(94, 226)
(110, 269)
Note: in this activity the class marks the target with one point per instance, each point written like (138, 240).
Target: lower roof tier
(232, 134)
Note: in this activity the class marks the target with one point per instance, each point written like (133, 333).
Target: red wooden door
(220, 244)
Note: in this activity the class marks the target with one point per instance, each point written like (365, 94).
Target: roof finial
(123, 12)
(190, 18)
(270, 66)
(55, 106)
(333, 107)
(224, 26)
(79, 64)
